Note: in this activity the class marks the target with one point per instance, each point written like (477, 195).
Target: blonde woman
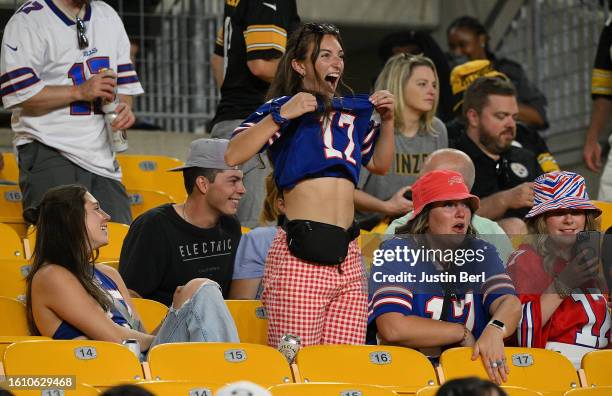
(564, 308)
(413, 80)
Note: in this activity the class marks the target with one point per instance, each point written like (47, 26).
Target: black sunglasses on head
(81, 37)
(319, 28)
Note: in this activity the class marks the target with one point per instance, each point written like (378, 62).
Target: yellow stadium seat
(531, 368)
(5, 341)
(399, 369)
(329, 389)
(10, 172)
(219, 362)
(175, 388)
(244, 230)
(151, 312)
(12, 278)
(510, 391)
(11, 246)
(150, 172)
(11, 209)
(77, 390)
(251, 320)
(97, 363)
(606, 215)
(597, 366)
(143, 200)
(13, 314)
(380, 228)
(599, 391)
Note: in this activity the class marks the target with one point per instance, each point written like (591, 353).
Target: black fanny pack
(319, 243)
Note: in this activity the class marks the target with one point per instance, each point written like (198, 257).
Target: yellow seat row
(401, 370)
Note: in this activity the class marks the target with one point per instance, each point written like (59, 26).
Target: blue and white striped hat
(560, 190)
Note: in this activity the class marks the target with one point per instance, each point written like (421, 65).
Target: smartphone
(589, 243)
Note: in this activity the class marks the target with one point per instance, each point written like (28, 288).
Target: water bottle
(133, 345)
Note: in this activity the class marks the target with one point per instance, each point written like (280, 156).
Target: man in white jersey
(52, 53)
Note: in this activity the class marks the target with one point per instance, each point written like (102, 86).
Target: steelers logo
(519, 169)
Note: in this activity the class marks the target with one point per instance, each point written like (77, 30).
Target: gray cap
(206, 153)
(242, 388)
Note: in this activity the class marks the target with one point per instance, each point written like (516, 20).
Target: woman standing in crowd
(413, 80)
(564, 308)
(314, 281)
(437, 304)
(467, 37)
(70, 297)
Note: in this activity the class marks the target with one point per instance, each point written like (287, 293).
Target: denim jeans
(203, 318)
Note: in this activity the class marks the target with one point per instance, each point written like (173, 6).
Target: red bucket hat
(441, 185)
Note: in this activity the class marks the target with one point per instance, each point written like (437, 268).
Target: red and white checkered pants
(318, 303)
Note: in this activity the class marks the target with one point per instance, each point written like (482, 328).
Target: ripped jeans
(202, 318)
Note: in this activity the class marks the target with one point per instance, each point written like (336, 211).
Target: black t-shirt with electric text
(162, 251)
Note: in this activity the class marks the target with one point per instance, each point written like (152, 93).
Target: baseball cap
(462, 76)
(206, 153)
(441, 185)
(243, 388)
(560, 190)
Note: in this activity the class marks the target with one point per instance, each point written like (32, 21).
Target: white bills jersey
(40, 48)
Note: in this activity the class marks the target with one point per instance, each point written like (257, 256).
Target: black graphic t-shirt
(162, 251)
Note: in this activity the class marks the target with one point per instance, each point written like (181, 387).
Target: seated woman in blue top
(439, 286)
(70, 297)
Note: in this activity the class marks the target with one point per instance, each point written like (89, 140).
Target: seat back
(530, 368)
(11, 246)
(116, 235)
(11, 208)
(251, 320)
(150, 172)
(13, 314)
(597, 366)
(10, 171)
(5, 341)
(606, 214)
(218, 362)
(329, 389)
(97, 363)
(177, 388)
(12, 278)
(151, 312)
(401, 369)
(143, 200)
(599, 391)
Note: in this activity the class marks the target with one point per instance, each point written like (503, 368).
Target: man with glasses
(60, 60)
(504, 172)
(247, 51)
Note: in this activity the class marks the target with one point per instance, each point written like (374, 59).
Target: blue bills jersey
(316, 146)
(412, 285)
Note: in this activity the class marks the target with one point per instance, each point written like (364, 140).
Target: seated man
(169, 245)
(458, 161)
(504, 173)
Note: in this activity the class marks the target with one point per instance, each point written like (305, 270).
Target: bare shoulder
(51, 274)
(110, 272)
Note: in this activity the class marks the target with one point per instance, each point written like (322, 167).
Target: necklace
(184, 214)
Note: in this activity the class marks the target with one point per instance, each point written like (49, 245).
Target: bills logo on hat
(455, 179)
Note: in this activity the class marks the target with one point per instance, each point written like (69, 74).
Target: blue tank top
(66, 331)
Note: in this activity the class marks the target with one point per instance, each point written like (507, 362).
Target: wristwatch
(498, 324)
(276, 116)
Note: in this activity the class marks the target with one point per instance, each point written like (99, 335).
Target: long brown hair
(288, 81)
(62, 239)
(270, 212)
